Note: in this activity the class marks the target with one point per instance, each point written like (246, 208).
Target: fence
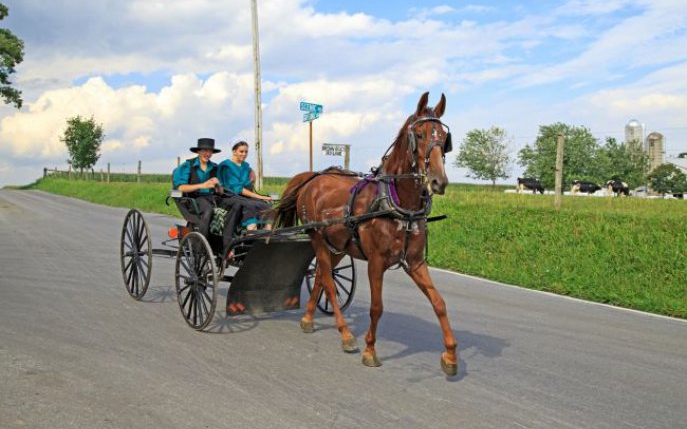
(107, 176)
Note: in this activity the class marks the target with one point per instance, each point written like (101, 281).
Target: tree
(11, 54)
(622, 161)
(579, 160)
(485, 154)
(83, 139)
(667, 179)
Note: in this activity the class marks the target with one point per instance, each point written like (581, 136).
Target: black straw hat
(205, 143)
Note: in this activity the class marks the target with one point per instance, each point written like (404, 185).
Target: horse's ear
(422, 104)
(440, 107)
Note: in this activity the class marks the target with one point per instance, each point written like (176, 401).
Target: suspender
(193, 178)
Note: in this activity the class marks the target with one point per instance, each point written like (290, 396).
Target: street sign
(311, 107)
(310, 116)
(333, 149)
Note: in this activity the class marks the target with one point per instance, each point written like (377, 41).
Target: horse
(397, 199)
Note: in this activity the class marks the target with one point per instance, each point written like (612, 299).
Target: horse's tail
(285, 214)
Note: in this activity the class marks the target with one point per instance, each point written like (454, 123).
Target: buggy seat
(188, 207)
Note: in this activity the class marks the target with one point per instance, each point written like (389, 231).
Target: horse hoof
(370, 359)
(307, 327)
(350, 345)
(449, 369)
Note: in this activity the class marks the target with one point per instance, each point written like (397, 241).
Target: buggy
(271, 267)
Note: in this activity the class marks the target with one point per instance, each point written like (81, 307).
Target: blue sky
(160, 74)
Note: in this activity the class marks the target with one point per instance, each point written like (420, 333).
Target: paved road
(77, 352)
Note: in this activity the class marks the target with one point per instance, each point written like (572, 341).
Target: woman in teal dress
(235, 176)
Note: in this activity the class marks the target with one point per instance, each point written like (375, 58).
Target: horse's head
(429, 140)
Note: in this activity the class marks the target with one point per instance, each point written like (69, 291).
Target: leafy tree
(622, 161)
(667, 179)
(485, 154)
(579, 159)
(83, 138)
(11, 54)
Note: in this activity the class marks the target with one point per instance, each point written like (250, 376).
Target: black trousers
(206, 204)
(251, 208)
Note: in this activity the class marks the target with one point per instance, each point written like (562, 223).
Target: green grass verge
(621, 251)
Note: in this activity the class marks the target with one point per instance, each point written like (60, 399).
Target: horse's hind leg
(307, 321)
(449, 359)
(375, 274)
(324, 262)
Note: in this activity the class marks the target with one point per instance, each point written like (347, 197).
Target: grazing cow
(618, 188)
(530, 183)
(586, 187)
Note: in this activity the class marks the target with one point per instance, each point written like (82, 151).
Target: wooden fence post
(178, 161)
(138, 175)
(108, 172)
(560, 142)
(45, 172)
(69, 172)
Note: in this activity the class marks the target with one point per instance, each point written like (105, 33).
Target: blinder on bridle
(446, 146)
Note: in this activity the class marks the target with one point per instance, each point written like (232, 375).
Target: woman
(235, 176)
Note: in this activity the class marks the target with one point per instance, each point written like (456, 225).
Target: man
(197, 178)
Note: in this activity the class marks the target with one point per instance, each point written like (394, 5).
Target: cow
(617, 187)
(530, 183)
(586, 187)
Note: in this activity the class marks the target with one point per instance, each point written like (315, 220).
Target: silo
(654, 147)
(634, 130)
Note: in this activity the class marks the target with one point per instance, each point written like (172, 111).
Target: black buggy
(271, 267)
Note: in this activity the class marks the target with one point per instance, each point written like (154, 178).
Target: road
(77, 352)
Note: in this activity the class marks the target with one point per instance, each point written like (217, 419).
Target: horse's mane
(399, 158)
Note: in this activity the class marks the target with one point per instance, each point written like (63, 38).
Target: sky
(159, 74)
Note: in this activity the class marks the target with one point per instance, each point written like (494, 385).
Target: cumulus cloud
(367, 71)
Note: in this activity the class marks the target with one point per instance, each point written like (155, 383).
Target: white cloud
(595, 61)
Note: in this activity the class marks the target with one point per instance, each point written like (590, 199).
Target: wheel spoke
(186, 300)
(144, 241)
(181, 290)
(348, 279)
(341, 287)
(128, 264)
(185, 266)
(342, 268)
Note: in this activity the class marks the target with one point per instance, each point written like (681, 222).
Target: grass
(621, 251)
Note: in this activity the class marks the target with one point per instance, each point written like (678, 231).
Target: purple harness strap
(392, 192)
(369, 179)
(361, 184)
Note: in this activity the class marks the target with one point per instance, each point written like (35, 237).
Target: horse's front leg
(375, 273)
(449, 359)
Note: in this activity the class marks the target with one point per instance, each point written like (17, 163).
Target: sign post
(338, 150)
(312, 112)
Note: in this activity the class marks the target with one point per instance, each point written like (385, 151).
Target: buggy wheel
(344, 279)
(196, 277)
(136, 254)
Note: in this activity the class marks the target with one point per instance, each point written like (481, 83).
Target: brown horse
(411, 170)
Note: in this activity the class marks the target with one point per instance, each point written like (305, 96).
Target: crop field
(627, 252)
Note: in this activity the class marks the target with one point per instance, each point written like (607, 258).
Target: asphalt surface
(77, 352)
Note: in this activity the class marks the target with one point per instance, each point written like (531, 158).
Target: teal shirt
(182, 174)
(234, 177)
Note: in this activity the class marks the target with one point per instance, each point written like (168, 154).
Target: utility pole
(560, 142)
(258, 97)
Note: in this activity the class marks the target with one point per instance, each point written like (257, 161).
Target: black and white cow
(586, 187)
(618, 188)
(530, 183)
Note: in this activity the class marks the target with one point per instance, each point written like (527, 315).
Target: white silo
(654, 147)
(634, 130)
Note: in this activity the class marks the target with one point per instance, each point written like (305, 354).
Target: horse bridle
(446, 146)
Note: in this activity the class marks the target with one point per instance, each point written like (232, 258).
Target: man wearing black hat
(197, 178)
